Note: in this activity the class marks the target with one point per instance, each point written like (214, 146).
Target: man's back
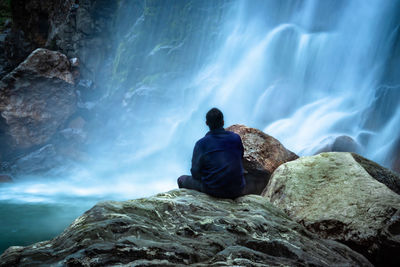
(217, 162)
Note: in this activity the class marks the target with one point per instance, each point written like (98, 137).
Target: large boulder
(337, 196)
(262, 155)
(184, 227)
(36, 98)
(76, 28)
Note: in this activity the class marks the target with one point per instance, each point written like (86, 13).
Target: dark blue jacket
(217, 162)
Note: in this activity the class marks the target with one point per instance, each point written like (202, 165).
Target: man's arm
(196, 163)
(241, 146)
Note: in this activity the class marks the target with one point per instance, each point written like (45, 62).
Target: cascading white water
(302, 71)
(310, 74)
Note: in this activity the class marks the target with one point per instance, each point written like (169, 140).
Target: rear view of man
(217, 161)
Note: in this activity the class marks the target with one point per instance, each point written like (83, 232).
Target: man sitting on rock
(217, 161)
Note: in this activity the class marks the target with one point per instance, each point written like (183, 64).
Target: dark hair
(215, 119)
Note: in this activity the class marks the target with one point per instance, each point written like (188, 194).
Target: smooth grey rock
(342, 143)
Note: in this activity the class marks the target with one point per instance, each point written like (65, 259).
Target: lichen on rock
(335, 196)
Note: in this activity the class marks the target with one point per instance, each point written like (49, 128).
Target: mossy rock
(343, 197)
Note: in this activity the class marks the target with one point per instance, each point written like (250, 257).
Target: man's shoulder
(235, 135)
(201, 140)
(225, 135)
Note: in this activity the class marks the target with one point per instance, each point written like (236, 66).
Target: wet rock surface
(342, 143)
(379, 173)
(75, 28)
(262, 155)
(36, 98)
(339, 197)
(184, 227)
(37, 162)
(396, 157)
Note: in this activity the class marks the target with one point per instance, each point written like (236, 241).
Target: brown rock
(36, 98)
(262, 155)
(76, 28)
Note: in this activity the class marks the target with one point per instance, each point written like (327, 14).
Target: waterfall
(302, 71)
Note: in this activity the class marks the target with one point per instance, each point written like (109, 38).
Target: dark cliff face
(80, 29)
(123, 47)
(75, 28)
(116, 39)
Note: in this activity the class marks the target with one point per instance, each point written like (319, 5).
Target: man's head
(214, 119)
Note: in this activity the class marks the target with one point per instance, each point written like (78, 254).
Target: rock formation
(342, 143)
(262, 155)
(183, 227)
(396, 157)
(379, 173)
(37, 162)
(340, 197)
(36, 99)
(75, 28)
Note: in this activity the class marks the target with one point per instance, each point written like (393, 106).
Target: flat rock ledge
(182, 227)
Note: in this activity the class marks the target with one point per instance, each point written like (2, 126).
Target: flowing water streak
(303, 71)
(314, 76)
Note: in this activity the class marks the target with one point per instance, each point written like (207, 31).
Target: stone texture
(342, 143)
(396, 157)
(334, 195)
(183, 227)
(379, 173)
(262, 155)
(40, 161)
(36, 98)
(75, 28)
